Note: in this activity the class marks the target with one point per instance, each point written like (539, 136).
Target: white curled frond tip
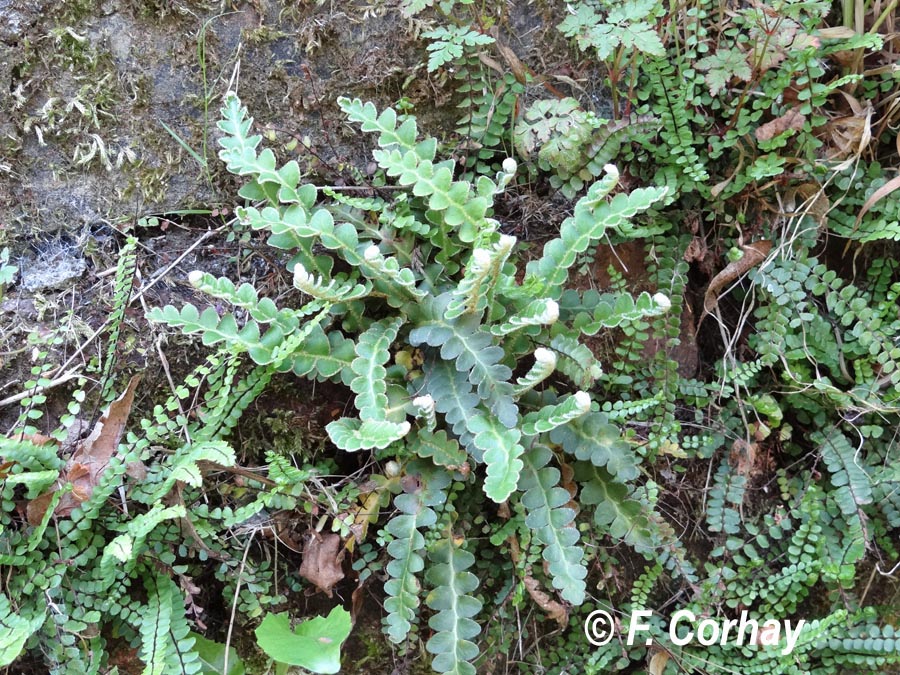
(662, 301)
(545, 357)
(510, 165)
(583, 400)
(195, 277)
(611, 170)
(551, 312)
(506, 243)
(424, 403)
(481, 258)
(302, 277)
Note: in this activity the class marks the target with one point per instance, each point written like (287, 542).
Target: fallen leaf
(793, 119)
(89, 459)
(554, 609)
(322, 557)
(754, 254)
(658, 663)
(877, 196)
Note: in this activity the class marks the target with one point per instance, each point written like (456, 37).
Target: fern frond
(406, 551)
(351, 435)
(542, 312)
(448, 42)
(454, 397)
(450, 597)
(125, 548)
(14, 631)
(246, 297)
(592, 438)
(618, 512)
(552, 416)
(544, 365)
(183, 466)
(727, 486)
(165, 645)
(373, 352)
(334, 291)
(412, 164)
(502, 452)
(577, 362)
(593, 215)
(398, 284)
(292, 228)
(215, 329)
(462, 340)
(473, 293)
(239, 153)
(324, 356)
(553, 523)
(847, 470)
(425, 406)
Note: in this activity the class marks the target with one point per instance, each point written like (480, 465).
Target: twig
(34, 390)
(237, 590)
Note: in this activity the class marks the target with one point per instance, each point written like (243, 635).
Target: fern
(848, 473)
(16, 631)
(593, 215)
(369, 384)
(618, 512)
(544, 365)
(352, 435)
(406, 551)
(324, 356)
(450, 597)
(448, 43)
(473, 294)
(552, 416)
(501, 453)
(461, 340)
(592, 438)
(553, 524)
(454, 397)
(165, 644)
(727, 491)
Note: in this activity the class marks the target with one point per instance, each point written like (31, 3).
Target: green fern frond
(450, 597)
(166, 647)
(369, 385)
(462, 341)
(14, 631)
(593, 215)
(406, 550)
(592, 438)
(552, 416)
(553, 523)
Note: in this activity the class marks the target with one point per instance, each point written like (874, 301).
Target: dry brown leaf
(658, 663)
(696, 251)
(366, 514)
(836, 33)
(89, 459)
(878, 195)
(554, 609)
(743, 457)
(754, 254)
(792, 119)
(322, 557)
(813, 199)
